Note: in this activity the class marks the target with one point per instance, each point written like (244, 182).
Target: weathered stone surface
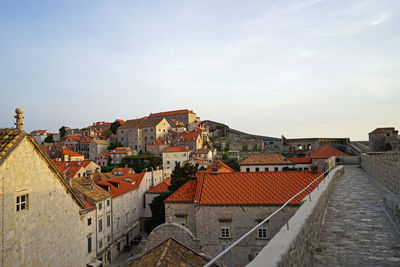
(296, 246)
(356, 230)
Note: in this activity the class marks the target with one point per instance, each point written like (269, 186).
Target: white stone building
(173, 155)
(42, 218)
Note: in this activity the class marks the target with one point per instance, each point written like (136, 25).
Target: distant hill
(228, 132)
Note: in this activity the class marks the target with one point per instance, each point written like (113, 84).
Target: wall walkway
(356, 230)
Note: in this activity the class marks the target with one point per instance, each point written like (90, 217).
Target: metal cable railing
(284, 206)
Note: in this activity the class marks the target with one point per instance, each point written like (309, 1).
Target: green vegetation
(180, 175)
(113, 146)
(107, 133)
(49, 139)
(114, 126)
(233, 163)
(62, 131)
(220, 126)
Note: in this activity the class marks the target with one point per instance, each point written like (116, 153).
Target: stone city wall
(296, 246)
(383, 167)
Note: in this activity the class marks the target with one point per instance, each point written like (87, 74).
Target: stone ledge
(296, 246)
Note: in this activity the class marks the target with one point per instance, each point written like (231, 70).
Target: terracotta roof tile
(246, 188)
(88, 188)
(170, 253)
(117, 186)
(174, 112)
(176, 149)
(325, 151)
(300, 160)
(190, 137)
(8, 138)
(160, 188)
(257, 159)
(140, 123)
(221, 167)
(185, 193)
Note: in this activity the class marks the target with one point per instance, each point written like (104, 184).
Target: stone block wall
(296, 246)
(383, 167)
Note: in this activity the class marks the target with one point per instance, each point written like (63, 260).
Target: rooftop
(173, 112)
(245, 188)
(8, 138)
(325, 152)
(170, 253)
(140, 123)
(176, 149)
(261, 159)
(160, 188)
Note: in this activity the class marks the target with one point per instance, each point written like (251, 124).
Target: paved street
(356, 230)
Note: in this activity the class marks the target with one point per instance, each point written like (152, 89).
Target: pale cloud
(301, 5)
(380, 20)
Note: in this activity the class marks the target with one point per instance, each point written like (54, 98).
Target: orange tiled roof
(140, 123)
(326, 151)
(221, 167)
(190, 136)
(176, 149)
(70, 153)
(160, 188)
(117, 186)
(185, 193)
(174, 112)
(8, 138)
(258, 159)
(246, 188)
(300, 160)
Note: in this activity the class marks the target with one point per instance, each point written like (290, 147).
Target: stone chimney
(19, 123)
(313, 169)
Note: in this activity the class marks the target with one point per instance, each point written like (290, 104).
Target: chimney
(313, 169)
(214, 170)
(19, 123)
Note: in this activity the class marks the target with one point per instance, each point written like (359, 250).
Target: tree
(114, 146)
(107, 133)
(180, 175)
(114, 126)
(233, 163)
(49, 139)
(62, 131)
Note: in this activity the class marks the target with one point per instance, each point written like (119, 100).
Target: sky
(306, 68)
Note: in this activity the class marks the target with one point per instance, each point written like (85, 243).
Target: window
(89, 221)
(101, 243)
(184, 154)
(100, 225)
(276, 169)
(263, 231)
(300, 169)
(22, 202)
(108, 202)
(247, 169)
(167, 162)
(224, 229)
(100, 205)
(181, 220)
(126, 218)
(151, 129)
(79, 174)
(266, 169)
(257, 169)
(89, 244)
(108, 238)
(108, 220)
(117, 223)
(306, 169)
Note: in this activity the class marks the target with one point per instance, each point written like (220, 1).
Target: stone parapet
(384, 167)
(296, 246)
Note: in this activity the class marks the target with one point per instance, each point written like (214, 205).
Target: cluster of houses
(56, 193)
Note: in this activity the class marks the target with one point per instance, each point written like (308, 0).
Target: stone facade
(384, 139)
(96, 148)
(205, 224)
(49, 231)
(383, 167)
